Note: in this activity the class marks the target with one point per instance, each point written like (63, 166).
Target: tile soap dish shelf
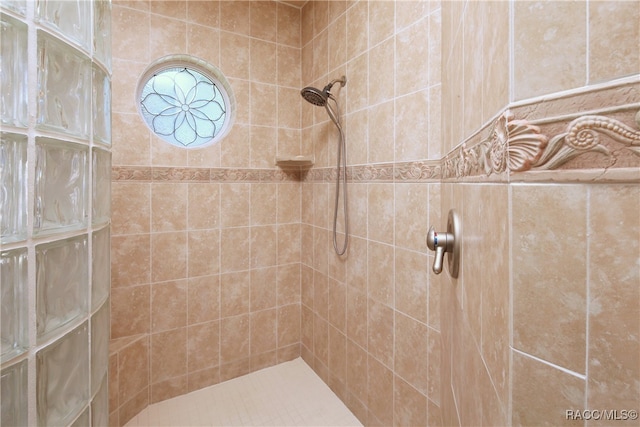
(294, 161)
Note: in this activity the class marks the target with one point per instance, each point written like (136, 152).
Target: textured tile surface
(289, 394)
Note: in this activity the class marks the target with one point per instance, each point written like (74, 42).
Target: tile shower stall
(523, 116)
(55, 176)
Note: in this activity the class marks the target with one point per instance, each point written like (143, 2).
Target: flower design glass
(183, 107)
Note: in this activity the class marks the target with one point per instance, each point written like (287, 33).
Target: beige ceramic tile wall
(475, 310)
(614, 297)
(370, 320)
(557, 46)
(587, 330)
(542, 271)
(574, 309)
(475, 66)
(564, 45)
(206, 275)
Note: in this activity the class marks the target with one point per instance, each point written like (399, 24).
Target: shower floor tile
(288, 394)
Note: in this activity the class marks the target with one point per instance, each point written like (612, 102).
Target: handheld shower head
(319, 97)
(315, 96)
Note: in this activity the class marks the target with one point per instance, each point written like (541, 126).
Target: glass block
(101, 267)
(101, 183)
(69, 18)
(99, 346)
(100, 405)
(13, 317)
(101, 106)
(83, 420)
(17, 6)
(62, 284)
(64, 82)
(61, 186)
(13, 72)
(62, 378)
(13, 187)
(102, 32)
(13, 389)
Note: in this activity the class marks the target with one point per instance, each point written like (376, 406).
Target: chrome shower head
(319, 97)
(315, 96)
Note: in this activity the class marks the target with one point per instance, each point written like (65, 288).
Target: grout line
(588, 293)
(552, 365)
(587, 47)
(510, 318)
(511, 88)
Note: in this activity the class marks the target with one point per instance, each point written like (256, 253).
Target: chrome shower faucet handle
(448, 242)
(440, 243)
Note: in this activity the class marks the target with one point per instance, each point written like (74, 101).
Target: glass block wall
(55, 198)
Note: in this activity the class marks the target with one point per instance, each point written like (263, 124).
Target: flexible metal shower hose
(341, 176)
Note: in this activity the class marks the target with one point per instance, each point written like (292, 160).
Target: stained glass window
(184, 105)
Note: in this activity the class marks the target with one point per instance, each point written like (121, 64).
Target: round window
(186, 102)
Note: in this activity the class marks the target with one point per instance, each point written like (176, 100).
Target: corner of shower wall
(55, 178)
(370, 319)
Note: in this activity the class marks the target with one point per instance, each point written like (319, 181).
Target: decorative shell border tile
(511, 145)
(584, 135)
(582, 138)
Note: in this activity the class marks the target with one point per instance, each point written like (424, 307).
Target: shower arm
(342, 80)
